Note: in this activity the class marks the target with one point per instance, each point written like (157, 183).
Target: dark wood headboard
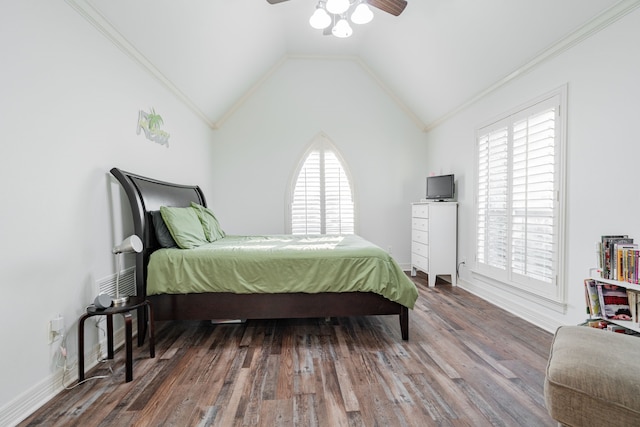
(146, 195)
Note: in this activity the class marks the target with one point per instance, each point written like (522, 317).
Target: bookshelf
(628, 324)
(619, 266)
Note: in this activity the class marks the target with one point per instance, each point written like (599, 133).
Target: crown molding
(600, 22)
(104, 26)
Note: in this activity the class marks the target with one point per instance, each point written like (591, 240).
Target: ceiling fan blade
(394, 7)
(275, 1)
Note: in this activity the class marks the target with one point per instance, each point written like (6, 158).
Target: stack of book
(611, 302)
(619, 259)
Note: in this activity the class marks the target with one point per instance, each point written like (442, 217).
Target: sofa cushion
(592, 377)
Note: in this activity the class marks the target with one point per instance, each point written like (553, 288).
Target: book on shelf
(622, 252)
(616, 328)
(619, 258)
(614, 302)
(628, 263)
(606, 251)
(592, 298)
(630, 273)
(613, 255)
(634, 299)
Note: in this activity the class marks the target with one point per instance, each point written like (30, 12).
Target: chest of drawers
(434, 239)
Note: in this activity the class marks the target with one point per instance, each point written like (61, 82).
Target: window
(518, 198)
(321, 201)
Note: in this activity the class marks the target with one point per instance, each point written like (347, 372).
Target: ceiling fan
(394, 7)
(331, 15)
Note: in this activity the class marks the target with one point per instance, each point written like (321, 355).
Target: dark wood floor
(467, 363)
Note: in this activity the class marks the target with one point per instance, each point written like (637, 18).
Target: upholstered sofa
(593, 378)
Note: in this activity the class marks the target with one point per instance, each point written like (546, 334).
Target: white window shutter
(492, 220)
(306, 211)
(338, 200)
(518, 198)
(533, 197)
(322, 200)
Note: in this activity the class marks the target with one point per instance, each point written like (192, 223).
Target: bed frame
(147, 194)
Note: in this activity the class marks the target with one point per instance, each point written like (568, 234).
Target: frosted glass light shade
(320, 19)
(362, 14)
(342, 29)
(337, 7)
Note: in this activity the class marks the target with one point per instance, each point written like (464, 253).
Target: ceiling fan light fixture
(338, 7)
(362, 14)
(320, 18)
(342, 29)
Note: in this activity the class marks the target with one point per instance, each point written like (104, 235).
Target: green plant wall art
(150, 124)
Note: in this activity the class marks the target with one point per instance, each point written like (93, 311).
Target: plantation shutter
(322, 201)
(338, 200)
(493, 180)
(306, 209)
(533, 196)
(517, 198)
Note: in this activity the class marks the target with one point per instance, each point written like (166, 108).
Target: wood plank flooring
(467, 363)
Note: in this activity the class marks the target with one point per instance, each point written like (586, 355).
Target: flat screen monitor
(440, 187)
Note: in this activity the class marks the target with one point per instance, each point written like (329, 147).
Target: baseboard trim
(536, 318)
(37, 396)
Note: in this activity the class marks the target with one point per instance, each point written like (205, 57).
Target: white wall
(257, 150)
(602, 154)
(68, 112)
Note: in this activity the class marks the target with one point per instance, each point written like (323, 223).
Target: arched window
(321, 199)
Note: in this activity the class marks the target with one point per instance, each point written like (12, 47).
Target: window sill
(503, 291)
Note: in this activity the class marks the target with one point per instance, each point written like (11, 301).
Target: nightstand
(125, 310)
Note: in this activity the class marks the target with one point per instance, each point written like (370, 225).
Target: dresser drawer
(421, 224)
(420, 211)
(420, 249)
(420, 262)
(420, 236)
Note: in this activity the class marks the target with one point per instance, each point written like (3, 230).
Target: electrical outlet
(389, 250)
(56, 328)
(57, 324)
(52, 335)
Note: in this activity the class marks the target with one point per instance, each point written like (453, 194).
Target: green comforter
(280, 264)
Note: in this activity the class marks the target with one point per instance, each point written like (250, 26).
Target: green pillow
(184, 226)
(210, 224)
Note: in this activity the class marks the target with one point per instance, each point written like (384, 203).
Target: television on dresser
(440, 187)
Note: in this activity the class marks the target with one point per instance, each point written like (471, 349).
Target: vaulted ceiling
(435, 58)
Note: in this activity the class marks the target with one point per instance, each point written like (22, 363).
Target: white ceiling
(435, 57)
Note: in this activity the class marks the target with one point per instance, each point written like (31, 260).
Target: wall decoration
(150, 123)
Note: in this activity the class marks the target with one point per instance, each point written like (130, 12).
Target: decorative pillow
(184, 226)
(163, 235)
(210, 224)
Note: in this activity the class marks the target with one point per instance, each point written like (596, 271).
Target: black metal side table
(134, 303)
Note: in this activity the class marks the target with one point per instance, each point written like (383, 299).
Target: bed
(158, 283)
